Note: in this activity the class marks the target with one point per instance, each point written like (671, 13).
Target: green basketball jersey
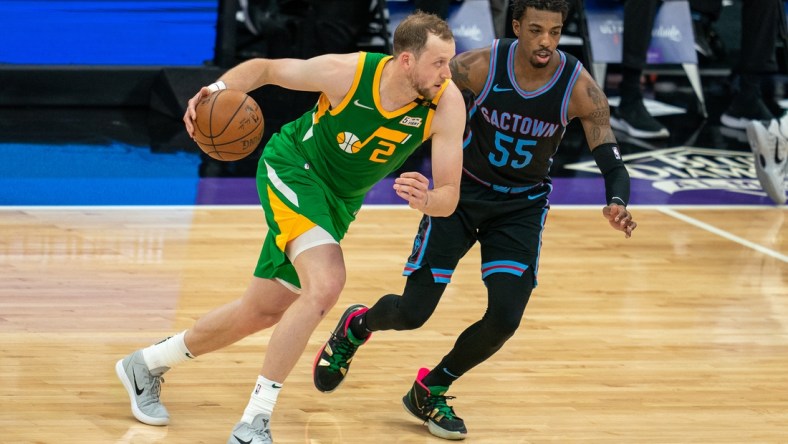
(356, 144)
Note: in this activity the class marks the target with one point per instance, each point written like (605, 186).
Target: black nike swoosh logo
(242, 441)
(136, 387)
(776, 152)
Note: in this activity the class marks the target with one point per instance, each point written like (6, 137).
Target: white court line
(725, 234)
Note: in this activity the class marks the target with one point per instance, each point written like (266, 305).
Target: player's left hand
(620, 218)
(413, 187)
(191, 109)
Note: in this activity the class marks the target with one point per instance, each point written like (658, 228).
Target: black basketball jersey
(512, 133)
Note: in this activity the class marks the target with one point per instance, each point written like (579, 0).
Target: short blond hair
(412, 33)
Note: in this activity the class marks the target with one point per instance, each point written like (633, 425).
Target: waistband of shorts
(501, 188)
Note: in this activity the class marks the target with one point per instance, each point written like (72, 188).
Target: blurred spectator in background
(631, 115)
(306, 28)
(708, 42)
(762, 21)
(437, 7)
(498, 10)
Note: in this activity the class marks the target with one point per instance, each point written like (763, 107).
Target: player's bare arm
(590, 105)
(447, 130)
(469, 69)
(331, 74)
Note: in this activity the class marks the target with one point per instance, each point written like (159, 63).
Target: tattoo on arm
(595, 95)
(598, 119)
(459, 74)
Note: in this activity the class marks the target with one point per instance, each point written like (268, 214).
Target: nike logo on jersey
(498, 89)
(136, 387)
(360, 105)
(536, 196)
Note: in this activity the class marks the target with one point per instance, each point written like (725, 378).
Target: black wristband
(608, 159)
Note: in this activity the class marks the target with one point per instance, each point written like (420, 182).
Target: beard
(426, 93)
(422, 91)
(535, 60)
(536, 64)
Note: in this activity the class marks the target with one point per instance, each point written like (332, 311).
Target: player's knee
(411, 320)
(419, 299)
(508, 295)
(504, 325)
(258, 321)
(325, 292)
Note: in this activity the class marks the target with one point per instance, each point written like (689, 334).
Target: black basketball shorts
(508, 227)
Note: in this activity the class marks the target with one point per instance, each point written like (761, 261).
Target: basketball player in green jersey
(522, 93)
(373, 112)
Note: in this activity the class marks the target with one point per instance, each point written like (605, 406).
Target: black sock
(358, 326)
(439, 376)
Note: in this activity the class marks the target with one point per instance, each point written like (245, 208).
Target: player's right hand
(619, 218)
(414, 188)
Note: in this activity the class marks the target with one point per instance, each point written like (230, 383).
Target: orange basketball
(229, 125)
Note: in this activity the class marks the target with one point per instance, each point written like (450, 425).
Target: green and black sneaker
(429, 405)
(333, 361)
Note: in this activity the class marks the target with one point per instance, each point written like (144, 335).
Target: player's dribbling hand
(619, 218)
(414, 188)
(191, 109)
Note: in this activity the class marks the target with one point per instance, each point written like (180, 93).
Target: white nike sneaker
(144, 388)
(770, 146)
(258, 432)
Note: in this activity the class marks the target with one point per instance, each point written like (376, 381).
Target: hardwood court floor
(678, 335)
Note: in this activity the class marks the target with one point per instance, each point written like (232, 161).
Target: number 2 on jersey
(387, 136)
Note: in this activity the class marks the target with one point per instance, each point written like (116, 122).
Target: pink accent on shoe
(353, 315)
(350, 318)
(423, 372)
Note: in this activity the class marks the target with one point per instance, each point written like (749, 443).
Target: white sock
(262, 400)
(167, 353)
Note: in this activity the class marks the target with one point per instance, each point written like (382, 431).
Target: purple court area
(124, 175)
(681, 175)
(566, 191)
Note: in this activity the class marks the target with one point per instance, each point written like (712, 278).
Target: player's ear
(516, 28)
(407, 59)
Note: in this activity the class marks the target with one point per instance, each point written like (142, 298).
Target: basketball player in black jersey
(521, 95)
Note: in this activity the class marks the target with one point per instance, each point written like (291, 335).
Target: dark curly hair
(518, 7)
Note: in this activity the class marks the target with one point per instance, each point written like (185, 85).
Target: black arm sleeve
(608, 159)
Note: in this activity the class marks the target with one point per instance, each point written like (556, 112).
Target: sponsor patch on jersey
(415, 122)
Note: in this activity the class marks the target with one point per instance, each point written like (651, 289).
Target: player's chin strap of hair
(608, 159)
(217, 86)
